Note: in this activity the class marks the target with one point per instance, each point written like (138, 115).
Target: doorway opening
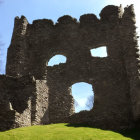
(83, 96)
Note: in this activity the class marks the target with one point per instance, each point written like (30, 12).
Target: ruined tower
(33, 93)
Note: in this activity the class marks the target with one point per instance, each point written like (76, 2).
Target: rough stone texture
(40, 94)
(40, 102)
(23, 102)
(15, 102)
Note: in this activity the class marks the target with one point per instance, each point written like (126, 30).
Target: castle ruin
(33, 93)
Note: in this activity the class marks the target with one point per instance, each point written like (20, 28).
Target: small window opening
(56, 60)
(83, 96)
(99, 52)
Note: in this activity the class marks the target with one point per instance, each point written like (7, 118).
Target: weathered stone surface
(33, 93)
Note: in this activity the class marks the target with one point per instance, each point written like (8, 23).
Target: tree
(76, 103)
(1, 62)
(90, 102)
(1, 44)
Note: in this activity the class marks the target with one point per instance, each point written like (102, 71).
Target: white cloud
(82, 102)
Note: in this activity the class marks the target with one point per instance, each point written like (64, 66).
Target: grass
(66, 132)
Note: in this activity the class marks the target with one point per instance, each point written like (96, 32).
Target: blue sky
(50, 9)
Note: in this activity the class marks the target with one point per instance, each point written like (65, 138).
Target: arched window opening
(99, 52)
(56, 60)
(83, 96)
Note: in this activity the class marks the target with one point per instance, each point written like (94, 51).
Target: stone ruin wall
(39, 94)
(20, 102)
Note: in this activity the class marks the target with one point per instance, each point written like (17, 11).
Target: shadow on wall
(131, 133)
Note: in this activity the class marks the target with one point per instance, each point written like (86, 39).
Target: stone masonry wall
(23, 103)
(131, 58)
(7, 114)
(115, 78)
(40, 112)
(15, 102)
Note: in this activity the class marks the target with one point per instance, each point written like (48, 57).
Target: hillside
(67, 132)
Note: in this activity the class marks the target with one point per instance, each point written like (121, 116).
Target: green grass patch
(66, 132)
